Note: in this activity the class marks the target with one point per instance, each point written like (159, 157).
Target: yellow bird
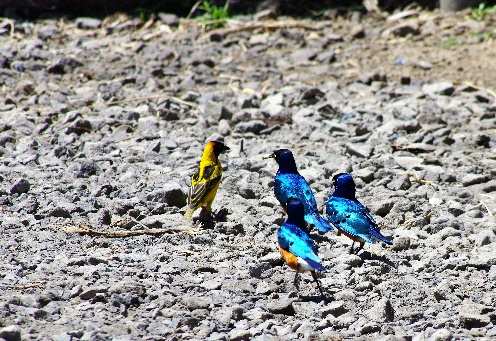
(206, 180)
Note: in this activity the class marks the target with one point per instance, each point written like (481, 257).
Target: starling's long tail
(318, 222)
(377, 235)
(316, 265)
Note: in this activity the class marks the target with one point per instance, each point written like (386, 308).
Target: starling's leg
(314, 276)
(296, 281)
(352, 247)
(359, 248)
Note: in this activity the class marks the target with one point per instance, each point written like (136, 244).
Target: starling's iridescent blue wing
(293, 239)
(354, 219)
(295, 186)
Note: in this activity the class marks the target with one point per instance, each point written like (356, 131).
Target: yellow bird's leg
(206, 219)
(193, 231)
(205, 213)
(189, 213)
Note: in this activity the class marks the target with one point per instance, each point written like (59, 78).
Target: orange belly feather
(289, 258)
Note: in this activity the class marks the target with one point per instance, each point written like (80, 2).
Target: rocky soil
(103, 123)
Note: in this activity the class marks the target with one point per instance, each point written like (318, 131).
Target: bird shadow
(366, 255)
(318, 238)
(208, 220)
(315, 298)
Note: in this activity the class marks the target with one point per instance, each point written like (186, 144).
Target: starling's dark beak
(266, 157)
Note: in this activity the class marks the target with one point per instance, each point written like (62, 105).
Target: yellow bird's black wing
(200, 187)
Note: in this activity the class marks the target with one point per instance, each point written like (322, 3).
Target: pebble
(254, 126)
(474, 179)
(401, 244)
(352, 260)
(360, 150)
(92, 292)
(336, 308)
(382, 311)
(192, 302)
(10, 333)
(441, 335)
(381, 207)
(169, 19)
(170, 193)
(88, 23)
(20, 186)
(400, 182)
(104, 216)
(440, 88)
(283, 306)
(240, 335)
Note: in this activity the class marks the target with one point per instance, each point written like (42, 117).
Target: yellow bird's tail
(189, 214)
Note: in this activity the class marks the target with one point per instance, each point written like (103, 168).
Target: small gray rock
(253, 126)
(382, 207)
(170, 193)
(79, 127)
(62, 337)
(382, 311)
(239, 335)
(474, 179)
(88, 23)
(336, 308)
(212, 284)
(441, 335)
(401, 243)
(352, 260)
(11, 333)
(20, 186)
(440, 88)
(283, 305)
(169, 19)
(63, 66)
(403, 29)
(360, 150)
(400, 182)
(104, 217)
(195, 302)
(87, 169)
(366, 174)
(470, 319)
(224, 128)
(455, 208)
(60, 212)
(92, 292)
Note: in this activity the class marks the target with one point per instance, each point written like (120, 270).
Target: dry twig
(24, 286)
(193, 9)
(267, 25)
(145, 98)
(86, 230)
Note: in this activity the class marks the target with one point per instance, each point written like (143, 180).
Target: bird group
(344, 213)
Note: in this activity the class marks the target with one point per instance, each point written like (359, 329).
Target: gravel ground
(103, 123)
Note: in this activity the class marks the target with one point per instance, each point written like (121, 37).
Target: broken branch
(85, 230)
